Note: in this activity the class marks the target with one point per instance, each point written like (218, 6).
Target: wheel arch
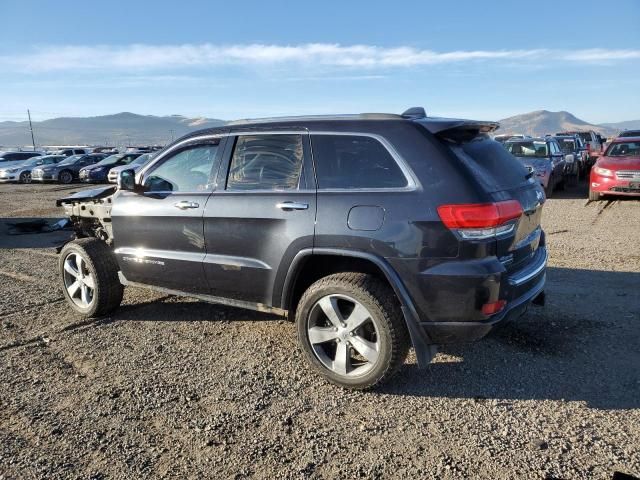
(319, 262)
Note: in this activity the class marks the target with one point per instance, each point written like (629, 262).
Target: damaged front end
(90, 212)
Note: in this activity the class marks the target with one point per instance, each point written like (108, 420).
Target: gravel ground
(173, 387)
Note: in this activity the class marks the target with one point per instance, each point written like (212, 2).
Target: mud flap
(425, 350)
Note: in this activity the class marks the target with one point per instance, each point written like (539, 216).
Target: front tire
(351, 330)
(65, 177)
(594, 196)
(89, 274)
(25, 177)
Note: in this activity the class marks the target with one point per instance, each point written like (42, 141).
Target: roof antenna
(415, 112)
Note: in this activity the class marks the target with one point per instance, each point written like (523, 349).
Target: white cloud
(167, 57)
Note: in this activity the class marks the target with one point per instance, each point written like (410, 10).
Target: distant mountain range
(541, 122)
(113, 130)
(127, 128)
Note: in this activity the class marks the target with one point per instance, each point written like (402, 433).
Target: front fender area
(425, 349)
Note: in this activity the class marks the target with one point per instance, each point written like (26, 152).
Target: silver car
(543, 157)
(21, 171)
(112, 177)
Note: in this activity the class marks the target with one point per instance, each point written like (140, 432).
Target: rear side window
(266, 162)
(354, 161)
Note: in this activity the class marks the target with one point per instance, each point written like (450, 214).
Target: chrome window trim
(412, 181)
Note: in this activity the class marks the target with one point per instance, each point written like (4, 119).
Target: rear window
(567, 145)
(537, 149)
(494, 166)
(630, 133)
(354, 161)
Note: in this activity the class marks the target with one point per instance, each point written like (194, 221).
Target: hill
(541, 122)
(119, 129)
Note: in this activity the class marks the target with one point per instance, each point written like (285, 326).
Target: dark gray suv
(375, 232)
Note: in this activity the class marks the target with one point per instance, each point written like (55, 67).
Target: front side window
(354, 161)
(188, 170)
(266, 162)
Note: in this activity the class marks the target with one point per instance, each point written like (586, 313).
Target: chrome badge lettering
(142, 260)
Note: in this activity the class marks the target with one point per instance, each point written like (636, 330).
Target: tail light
(481, 220)
(493, 307)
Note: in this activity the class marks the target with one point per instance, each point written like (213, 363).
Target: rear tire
(89, 274)
(65, 177)
(364, 316)
(594, 196)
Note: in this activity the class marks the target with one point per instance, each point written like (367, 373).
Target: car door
(261, 214)
(158, 233)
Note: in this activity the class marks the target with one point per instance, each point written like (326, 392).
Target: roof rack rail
(415, 112)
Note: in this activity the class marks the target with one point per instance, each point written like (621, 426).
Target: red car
(617, 171)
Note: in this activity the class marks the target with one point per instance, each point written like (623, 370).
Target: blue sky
(477, 59)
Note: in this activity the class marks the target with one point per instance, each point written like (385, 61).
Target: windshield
(141, 159)
(109, 160)
(71, 160)
(528, 149)
(624, 149)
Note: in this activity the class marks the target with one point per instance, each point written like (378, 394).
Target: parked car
(21, 171)
(65, 171)
(629, 133)
(593, 142)
(6, 157)
(97, 173)
(112, 176)
(543, 157)
(375, 232)
(68, 152)
(575, 154)
(617, 171)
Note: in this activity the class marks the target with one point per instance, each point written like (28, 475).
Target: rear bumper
(518, 289)
(9, 178)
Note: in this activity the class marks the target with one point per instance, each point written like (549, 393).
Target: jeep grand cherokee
(375, 232)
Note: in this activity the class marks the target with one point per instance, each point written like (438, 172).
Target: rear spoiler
(457, 130)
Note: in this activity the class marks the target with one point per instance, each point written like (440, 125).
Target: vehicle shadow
(181, 309)
(582, 346)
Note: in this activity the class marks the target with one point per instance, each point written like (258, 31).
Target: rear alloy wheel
(351, 330)
(65, 177)
(25, 177)
(594, 196)
(90, 277)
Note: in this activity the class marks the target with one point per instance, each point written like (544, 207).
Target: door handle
(292, 206)
(184, 204)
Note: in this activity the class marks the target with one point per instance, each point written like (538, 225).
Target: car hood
(534, 162)
(9, 165)
(619, 163)
(120, 168)
(94, 167)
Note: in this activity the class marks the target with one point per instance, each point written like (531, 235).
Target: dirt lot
(172, 387)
